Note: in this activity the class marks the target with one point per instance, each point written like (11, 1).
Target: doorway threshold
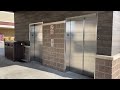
(78, 76)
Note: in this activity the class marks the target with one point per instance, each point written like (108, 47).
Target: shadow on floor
(36, 65)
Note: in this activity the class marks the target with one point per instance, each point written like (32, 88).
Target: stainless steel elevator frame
(36, 41)
(86, 65)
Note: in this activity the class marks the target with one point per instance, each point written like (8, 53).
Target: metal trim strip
(53, 23)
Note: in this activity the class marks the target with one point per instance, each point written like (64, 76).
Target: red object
(6, 23)
(1, 37)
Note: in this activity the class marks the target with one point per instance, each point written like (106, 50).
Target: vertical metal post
(83, 41)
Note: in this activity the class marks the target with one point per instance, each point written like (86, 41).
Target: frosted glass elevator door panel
(76, 54)
(90, 31)
(67, 43)
(81, 44)
(32, 42)
(32, 31)
(38, 28)
(77, 25)
(32, 53)
(38, 42)
(38, 36)
(38, 51)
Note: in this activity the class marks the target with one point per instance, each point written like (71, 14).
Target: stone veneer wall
(103, 69)
(107, 69)
(24, 18)
(116, 69)
(104, 29)
(54, 56)
(104, 33)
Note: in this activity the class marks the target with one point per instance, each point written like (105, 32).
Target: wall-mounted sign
(51, 29)
(52, 42)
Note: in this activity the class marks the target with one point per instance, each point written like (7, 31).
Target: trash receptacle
(14, 50)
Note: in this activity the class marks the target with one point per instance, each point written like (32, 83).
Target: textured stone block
(108, 76)
(100, 62)
(108, 63)
(104, 32)
(99, 75)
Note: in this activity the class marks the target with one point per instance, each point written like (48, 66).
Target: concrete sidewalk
(32, 70)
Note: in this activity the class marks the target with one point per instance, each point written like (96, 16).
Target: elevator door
(90, 36)
(32, 41)
(76, 37)
(36, 42)
(81, 43)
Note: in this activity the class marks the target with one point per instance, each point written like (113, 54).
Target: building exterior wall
(103, 69)
(24, 18)
(104, 33)
(116, 69)
(107, 69)
(54, 56)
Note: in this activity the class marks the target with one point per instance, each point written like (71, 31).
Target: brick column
(108, 46)
(103, 69)
(107, 67)
(103, 64)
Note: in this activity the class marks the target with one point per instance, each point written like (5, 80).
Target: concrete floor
(32, 70)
